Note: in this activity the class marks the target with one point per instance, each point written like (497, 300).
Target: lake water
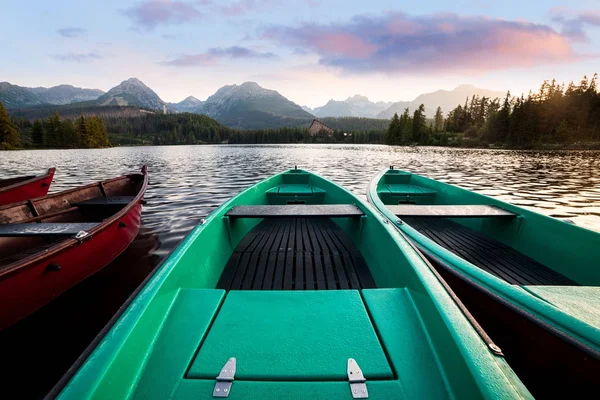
(188, 182)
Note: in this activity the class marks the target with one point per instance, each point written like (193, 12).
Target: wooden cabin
(319, 128)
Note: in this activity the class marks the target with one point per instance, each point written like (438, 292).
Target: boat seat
(106, 201)
(296, 193)
(45, 229)
(395, 193)
(296, 211)
(450, 211)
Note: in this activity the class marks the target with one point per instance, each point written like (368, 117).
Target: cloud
(239, 7)
(212, 56)
(573, 22)
(76, 57)
(167, 36)
(71, 32)
(150, 13)
(397, 42)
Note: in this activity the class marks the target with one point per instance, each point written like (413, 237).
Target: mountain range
(446, 99)
(245, 106)
(13, 96)
(355, 106)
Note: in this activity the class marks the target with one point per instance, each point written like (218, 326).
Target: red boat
(25, 187)
(49, 244)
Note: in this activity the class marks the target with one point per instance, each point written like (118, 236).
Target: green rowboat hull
(546, 269)
(395, 319)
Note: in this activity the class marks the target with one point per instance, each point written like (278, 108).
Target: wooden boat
(293, 289)
(25, 187)
(49, 244)
(534, 281)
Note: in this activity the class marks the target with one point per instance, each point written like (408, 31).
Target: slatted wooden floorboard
(488, 254)
(296, 254)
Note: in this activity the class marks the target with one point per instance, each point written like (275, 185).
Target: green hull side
(569, 249)
(433, 350)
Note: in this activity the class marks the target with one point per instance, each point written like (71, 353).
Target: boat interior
(299, 290)
(30, 226)
(11, 181)
(508, 242)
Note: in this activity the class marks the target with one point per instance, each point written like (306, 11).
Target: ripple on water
(189, 182)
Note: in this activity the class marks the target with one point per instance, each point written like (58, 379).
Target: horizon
(380, 51)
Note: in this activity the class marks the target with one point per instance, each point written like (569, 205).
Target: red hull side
(30, 189)
(26, 291)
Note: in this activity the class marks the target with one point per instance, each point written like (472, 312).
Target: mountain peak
(191, 98)
(132, 92)
(250, 85)
(134, 81)
(358, 98)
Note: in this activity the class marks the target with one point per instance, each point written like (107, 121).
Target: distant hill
(187, 105)
(131, 92)
(13, 96)
(355, 106)
(249, 106)
(65, 94)
(447, 99)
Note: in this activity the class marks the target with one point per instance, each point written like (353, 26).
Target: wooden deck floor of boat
(296, 254)
(488, 254)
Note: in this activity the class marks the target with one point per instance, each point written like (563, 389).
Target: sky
(308, 50)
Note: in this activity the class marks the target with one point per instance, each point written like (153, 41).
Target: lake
(188, 182)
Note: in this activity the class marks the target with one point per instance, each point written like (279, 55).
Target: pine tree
(438, 120)
(392, 133)
(406, 124)
(37, 133)
(9, 136)
(52, 128)
(82, 132)
(418, 124)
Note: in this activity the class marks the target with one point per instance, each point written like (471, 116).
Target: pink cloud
(344, 44)
(397, 42)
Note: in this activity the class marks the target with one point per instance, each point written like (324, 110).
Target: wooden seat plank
(296, 211)
(107, 201)
(450, 211)
(45, 229)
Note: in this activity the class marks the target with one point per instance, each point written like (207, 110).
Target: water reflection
(189, 182)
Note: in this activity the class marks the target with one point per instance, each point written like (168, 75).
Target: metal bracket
(82, 236)
(358, 387)
(225, 379)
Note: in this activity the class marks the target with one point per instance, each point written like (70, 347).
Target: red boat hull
(51, 272)
(28, 189)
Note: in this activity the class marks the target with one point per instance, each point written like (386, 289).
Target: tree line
(554, 115)
(53, 132)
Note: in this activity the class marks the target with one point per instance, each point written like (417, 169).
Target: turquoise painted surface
(569, 249)
(126, 363)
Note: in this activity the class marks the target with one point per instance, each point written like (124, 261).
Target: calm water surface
(188, 182)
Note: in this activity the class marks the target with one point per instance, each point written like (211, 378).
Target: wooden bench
(450, 211)
(106, 201)
(296, 211)
(45, 229)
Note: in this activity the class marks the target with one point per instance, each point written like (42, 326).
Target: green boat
(293, 289)
(531, 280)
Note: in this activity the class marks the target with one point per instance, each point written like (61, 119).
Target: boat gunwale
(532, 307)
(28, 179)
(460, 331)
(23, 264)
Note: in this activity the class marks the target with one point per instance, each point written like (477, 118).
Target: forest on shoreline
(556, 116)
